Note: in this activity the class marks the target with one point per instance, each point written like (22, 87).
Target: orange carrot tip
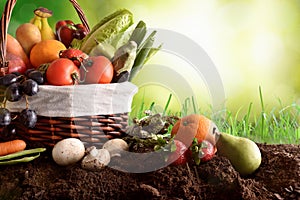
(12, 147)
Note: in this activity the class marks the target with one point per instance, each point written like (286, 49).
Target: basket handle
(81, 14)
(4, 26)
(6, 15)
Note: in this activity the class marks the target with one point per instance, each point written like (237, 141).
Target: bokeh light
(252, 43)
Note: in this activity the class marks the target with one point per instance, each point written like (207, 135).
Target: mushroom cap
(116, 146)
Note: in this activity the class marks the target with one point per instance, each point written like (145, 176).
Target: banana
(36, 20)
(46, 31)
(40, 19)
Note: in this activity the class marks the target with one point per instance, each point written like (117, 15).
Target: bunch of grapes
(18, 86)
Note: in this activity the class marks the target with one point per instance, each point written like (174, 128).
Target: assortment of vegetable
(110, 52)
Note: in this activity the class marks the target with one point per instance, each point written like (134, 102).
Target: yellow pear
(28, 35)
(243, 153)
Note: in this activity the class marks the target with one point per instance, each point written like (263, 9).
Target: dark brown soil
(277, 178)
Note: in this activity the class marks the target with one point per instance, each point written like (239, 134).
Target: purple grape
(37, 76)
(8, 79)
(30, 87)
(5, 117)
(14, 92)
(28, 118)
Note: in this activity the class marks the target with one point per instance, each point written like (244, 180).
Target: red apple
(15, 63)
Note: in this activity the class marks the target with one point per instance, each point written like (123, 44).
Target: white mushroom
(95, 159)
(116, 146)
(68, 151)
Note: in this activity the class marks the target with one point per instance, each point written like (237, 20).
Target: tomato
(62, 71)
(98, 69)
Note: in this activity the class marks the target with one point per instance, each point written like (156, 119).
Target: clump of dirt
(277, 178)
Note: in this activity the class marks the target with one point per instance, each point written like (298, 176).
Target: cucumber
(108, 28)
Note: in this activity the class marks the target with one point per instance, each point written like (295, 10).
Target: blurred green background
(252, 43)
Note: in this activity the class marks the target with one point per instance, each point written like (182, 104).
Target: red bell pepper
(67, 30)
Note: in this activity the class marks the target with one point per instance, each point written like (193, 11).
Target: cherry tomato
(99, 69)
(62, 71)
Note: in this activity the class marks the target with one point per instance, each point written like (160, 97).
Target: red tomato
(62, 71)
(99, 69)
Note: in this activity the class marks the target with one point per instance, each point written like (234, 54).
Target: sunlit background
(253, 43)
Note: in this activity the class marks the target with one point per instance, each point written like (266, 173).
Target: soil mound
(277, 178)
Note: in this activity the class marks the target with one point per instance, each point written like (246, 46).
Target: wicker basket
(90, 129)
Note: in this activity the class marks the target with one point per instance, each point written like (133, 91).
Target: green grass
(277, 126)
(274, 127)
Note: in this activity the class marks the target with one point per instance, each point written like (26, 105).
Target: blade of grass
(263, 115)
(194, 105)
(151, 106)
(167, 104)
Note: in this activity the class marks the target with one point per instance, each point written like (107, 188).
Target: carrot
(12, 147)
(13, 46)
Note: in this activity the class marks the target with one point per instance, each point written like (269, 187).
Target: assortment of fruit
(70, 55)
(163, 134)
(65, 54)
(108, 53)
(192, 138)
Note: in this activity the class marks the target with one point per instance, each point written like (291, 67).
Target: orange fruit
(195, 126)
(45, 51)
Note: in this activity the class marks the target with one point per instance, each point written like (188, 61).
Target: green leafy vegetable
(106, 30)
